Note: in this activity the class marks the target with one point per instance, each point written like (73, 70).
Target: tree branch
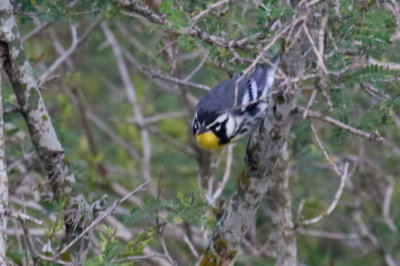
(337, 123)
(103, 215)
(263, 169)
(3, 175)
(34, 111)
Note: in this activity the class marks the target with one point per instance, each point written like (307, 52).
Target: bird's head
(212, 131)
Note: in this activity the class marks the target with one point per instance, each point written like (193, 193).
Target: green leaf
(136, 246)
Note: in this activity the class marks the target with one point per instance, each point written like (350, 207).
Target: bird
(218, 121)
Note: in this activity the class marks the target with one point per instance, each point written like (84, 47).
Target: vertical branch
(264, 168)
(279, 202)
(77, 212)
(136, 109)
(32, 105)
(3, 179)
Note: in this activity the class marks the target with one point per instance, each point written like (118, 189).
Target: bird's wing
(221, 97)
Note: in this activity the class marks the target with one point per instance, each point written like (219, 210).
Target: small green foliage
(189, 209)
(112, 12)
(175, 15)
(376, 29)
(377, 116)
(16, 255)
(59, 222)
(186, 42)
(272, 10)
(129, 132)
(67, 109)
(176, 128)
(136, 246)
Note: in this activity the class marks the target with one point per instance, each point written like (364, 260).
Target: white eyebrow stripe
(220, 119)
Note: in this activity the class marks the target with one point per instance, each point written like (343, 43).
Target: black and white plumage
(216, 112)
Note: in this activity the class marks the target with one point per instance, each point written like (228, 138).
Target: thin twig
(191, 246)
(320, 57)
(21, 216)
(103, 215)
(197, 68)
(31, 246)
(276, 37)
(35, 31)
(206, 11)
(132, 98)
(334, 202)
(75, 43)
(310, 102)
(176, 80)
(225, 178)
(157, 118)
(337, 123)
(164, 247)
(113, 136)
(329, 235)
(327, 157)
(141, 257)
(11, 110)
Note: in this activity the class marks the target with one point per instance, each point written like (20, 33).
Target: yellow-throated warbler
(218, 121)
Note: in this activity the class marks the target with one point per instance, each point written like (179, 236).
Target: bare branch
(136, 108)
(389, 65)
(310, 102)
(334, 202)
(113, 136)
(386, 206)
(156, 118)
(337, 123)
(225, 178)
(103, 215)
(20, 216)
(75, 44)
(319, 55)
(3, 173)
(145, 11)
(11, 110)
(176, 80)
(333, 165)
(31, 246)
(206, 11)
(329, 235)
(35, 31)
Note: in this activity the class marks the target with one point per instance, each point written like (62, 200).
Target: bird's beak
(207, 139)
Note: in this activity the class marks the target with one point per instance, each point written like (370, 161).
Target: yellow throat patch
(208, 140)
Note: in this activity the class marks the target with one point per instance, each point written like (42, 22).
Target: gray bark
(279, 201)
(43, 135)
(3, 183)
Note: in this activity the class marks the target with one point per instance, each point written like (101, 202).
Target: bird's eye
(218, 127)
